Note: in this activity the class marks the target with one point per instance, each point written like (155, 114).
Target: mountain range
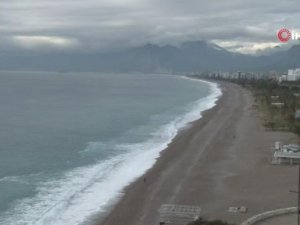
(189, 57)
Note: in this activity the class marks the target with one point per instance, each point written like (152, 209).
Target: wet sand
(222, 160)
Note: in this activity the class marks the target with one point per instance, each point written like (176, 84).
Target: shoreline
(210, 172)
(210, 102)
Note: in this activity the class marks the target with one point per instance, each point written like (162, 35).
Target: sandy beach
(222, 160)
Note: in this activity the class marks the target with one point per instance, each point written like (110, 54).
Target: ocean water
(70, 142)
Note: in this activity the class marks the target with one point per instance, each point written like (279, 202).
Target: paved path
(281, 220)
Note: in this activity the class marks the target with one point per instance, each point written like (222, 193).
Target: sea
(71, 142)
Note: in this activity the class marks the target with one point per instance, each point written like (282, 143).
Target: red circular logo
(284, 35)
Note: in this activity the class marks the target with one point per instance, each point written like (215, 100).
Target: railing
(287, 155)
(269, 214)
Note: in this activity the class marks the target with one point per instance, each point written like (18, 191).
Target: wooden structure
(286, 157)
(178, 214)
(286, 154)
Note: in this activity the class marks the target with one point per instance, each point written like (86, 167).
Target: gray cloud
(98, 25)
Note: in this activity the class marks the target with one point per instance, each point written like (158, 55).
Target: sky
(245, 26)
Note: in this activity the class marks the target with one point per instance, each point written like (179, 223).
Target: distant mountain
(190, 56)
(281, 61)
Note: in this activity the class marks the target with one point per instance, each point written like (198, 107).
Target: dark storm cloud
(93, 25)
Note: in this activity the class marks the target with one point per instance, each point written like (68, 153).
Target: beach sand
(221, 160)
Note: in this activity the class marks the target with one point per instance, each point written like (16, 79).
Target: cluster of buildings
(292, 75)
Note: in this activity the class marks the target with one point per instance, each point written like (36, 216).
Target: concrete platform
(288, 219)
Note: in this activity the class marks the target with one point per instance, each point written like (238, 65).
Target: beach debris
(233, 209)
(178, 214)
(243, 209)
(238, 209)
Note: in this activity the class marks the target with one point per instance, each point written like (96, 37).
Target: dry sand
(222, 160)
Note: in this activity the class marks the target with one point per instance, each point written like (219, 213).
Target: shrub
(201, 221)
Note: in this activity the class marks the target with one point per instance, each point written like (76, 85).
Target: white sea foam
(85, 191)
(21, 179)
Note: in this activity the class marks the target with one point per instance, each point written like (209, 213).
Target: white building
(293, 75)
(282, 78)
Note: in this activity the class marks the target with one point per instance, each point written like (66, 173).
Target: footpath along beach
(222, 160)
